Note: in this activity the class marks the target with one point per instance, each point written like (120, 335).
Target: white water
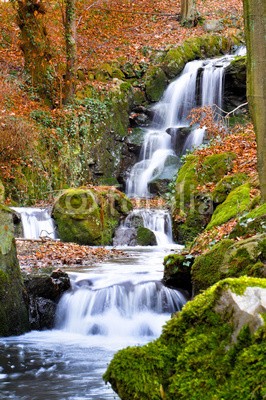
(200, 84)
(36, 222)
(111, 306)
(158, 221)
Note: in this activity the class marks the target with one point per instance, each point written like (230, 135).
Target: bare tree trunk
(188, 12)
(71, 51)
(255, 29)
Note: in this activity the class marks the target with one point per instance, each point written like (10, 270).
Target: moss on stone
(226, 185)
(13, 312)
(145, 237)
(195, 357)
(236, 203)
(89, 215)
(215, 166)
(230, 259)
(206, 269)
(155, 83)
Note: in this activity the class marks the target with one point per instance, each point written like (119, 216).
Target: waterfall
(158, 221)
(200, 84)
(124, 309)
(36, 222)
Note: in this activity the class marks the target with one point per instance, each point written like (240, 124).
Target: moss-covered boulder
(251, 223)
(191, 49)
(192, 207)
(213, 348)
(13, 311)
(226, 185)
(145, 237)
(230, 259)
(90, 215)
(235, 204)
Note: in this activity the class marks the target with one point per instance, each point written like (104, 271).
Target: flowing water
(200, 84)
(110, 306)
(36, 222)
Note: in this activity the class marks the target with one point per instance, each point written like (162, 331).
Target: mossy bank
(213, 349)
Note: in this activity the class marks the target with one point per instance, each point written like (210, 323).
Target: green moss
(186, 182)
(215, 166)
(226, 185)
(206, 269)
(145, 237)
(155, 83)
(89, 215)
(236, 203)
(195, 357)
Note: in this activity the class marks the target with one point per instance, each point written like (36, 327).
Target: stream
(113, 305)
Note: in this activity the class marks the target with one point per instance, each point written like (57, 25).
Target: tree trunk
(71, 51)
(35, 44)
(255, 29)
(188, 12)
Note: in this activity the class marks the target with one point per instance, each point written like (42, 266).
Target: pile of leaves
(39, 254)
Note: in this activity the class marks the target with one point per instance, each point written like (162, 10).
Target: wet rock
(44, 292)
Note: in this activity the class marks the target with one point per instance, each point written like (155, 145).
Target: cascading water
(200, 84)
(36, 222)
(158, 221)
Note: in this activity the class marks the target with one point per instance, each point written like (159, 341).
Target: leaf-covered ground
(35, 255)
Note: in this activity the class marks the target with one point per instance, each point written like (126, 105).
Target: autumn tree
(35, 44)
(255, 29)
(69, 21)
(188, 12)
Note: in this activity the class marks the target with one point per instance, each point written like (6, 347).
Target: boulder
(44, 292)
(145, 237)
(230, 259)
(177, 271)
(90, 215)
(13, 310)
(213, 25)
(214, 347)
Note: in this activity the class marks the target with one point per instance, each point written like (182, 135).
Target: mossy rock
(229, 259)
(177, 271)
(155, 82)
(90, 215)
(226, 185)
(209, 350)
(145, 237)
(191, 49)
(235, 204)
(215, 166)
(252, 223)
(206, 269)
(13, 310)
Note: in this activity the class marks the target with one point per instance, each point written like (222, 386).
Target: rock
(177, 272)
(236, 203)
(13, 310)
(215, 345)
(44, 292)
(125, 237)
(230, 259)
(155, 82)
(178, 138)
(235, 85)
(251, 223)
(90, 215)
(213, 25)
(145, 237)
